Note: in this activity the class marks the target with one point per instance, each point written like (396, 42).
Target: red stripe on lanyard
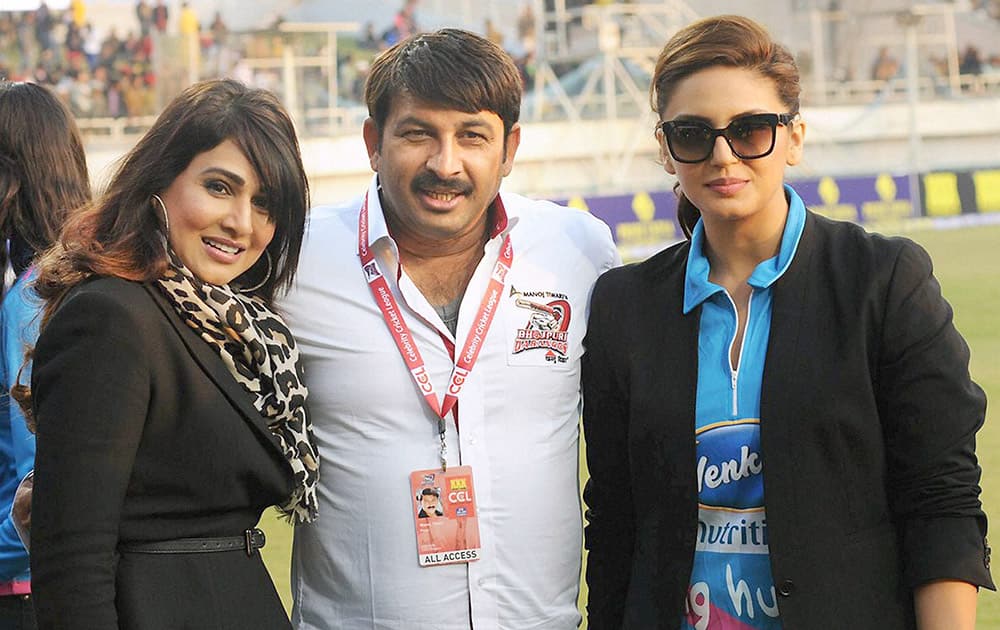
(400, 331)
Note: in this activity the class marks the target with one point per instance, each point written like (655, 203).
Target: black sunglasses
(749, 137)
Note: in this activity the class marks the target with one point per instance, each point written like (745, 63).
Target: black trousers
(17, 613)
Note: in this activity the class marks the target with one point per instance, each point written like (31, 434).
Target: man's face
(429, 503)
(439, 168)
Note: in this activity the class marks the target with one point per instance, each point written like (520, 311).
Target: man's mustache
(429, 181)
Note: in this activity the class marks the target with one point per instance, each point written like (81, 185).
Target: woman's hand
(945, 605)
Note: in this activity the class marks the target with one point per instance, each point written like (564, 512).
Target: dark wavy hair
(449, 67)
(724, 40)
(122, 233)
(43, 171)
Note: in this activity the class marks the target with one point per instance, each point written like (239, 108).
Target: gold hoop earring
(263, 281)
(166, 217)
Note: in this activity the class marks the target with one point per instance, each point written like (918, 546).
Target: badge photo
(444, 513)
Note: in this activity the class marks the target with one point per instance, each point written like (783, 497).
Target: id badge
(444, 511)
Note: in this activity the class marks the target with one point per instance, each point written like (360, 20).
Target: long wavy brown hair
(123, 232)
(43, 171)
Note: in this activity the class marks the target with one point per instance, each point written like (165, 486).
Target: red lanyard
(401, 334)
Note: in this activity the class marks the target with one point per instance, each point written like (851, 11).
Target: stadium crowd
(120, 71)
(96, 73)
(113, 72)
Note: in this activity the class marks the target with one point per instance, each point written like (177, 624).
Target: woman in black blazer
(166, 392)
(779, 417)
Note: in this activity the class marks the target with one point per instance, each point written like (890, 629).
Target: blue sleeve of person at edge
(19, 317)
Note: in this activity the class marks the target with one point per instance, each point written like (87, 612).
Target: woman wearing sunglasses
(779, 417)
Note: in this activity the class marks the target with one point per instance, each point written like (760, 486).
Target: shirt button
(786, 588)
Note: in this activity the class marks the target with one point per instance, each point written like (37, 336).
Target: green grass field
(967, 263)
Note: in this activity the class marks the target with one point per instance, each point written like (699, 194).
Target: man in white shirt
(441, 327)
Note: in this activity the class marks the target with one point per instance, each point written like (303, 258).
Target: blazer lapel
(784, 346)
(664, 371)
(212, 364)
(782, 386)
(672, 355)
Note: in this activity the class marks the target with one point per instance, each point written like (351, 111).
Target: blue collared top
(732, 555)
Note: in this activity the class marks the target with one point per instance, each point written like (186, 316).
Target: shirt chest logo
(546, 317)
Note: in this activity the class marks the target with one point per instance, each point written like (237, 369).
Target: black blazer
(143, 435)
(868, 422)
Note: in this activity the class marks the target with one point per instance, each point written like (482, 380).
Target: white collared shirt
(356, 567)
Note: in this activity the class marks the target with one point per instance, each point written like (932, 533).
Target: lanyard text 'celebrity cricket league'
(464, 361)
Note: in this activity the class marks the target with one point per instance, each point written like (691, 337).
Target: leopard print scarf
(263, 357)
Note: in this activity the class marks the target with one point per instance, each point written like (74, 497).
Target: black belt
(250, 542)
